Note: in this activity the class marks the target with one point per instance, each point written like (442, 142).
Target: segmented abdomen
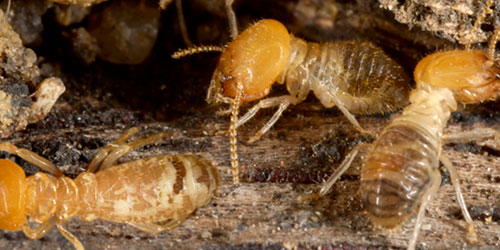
(399, 169)
(152, 190)
(364, 77)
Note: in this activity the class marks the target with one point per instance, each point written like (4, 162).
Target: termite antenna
(233, 26)
(196, 50)
(7, 10)
(182, 23)
(493, 45)
(233, 140)
(485, 11)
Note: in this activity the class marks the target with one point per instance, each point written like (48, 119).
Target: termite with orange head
(153, 194)
(400, 174)
(357, 77)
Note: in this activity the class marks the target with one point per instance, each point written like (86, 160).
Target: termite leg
(31, 157)
(123, 149)
(71, 238)
(456, 185)
(435, 182)
(461, 201)
(342, 168)
(41, 230)
(104, 151)
(473, 135)
(155, 228)
(233, 26)
(282, 101)
(348, 114)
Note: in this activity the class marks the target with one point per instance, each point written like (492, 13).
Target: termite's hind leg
(31, 157)
(435, 182)
(104, 151)
(348, 114)
(478, 134)
(155, 228)
(461, 201)
(282, 101)
(342, 168)
(123, 149)
(70, 237)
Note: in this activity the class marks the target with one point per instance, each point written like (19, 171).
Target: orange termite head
(12, 205)
(468, 73)
(255, 59)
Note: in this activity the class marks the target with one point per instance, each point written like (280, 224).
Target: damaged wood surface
(267, 210)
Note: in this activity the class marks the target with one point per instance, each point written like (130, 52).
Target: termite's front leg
(282, 101)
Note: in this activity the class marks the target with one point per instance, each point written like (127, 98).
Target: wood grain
(266, 210)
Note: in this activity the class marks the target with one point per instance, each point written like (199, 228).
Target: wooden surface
(303, 146)
(266, 210)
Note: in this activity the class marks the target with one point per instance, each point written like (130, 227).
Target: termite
(357, 77)
(153, 194)
(401, 174)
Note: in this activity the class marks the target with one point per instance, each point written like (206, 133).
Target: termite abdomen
(397, 174)
(364, 78)
(153, 189)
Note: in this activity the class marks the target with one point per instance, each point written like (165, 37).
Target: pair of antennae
(7, 10)
(494, 38)
(182, 22)
(204, 48)
(233, 140)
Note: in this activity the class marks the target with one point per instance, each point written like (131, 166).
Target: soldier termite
(400, 173)
(153, 194)
(357, 77)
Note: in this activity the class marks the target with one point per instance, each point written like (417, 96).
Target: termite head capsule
(255, 59)
(470, 74)
(12, 187)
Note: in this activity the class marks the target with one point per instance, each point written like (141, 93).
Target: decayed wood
(289, 162)
(270, 214)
